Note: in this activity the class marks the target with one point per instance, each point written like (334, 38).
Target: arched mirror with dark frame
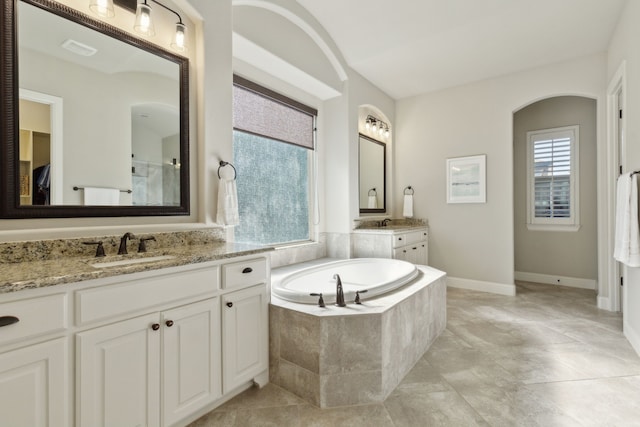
(94, 121)
(372, 172)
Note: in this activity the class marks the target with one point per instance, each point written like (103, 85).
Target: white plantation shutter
(552, 174)
(553, 177)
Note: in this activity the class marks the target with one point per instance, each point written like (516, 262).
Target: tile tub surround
(37, 264)
(358, 354)
(545, 357)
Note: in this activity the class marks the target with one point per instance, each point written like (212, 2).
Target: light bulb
(386, 133)
(178, 39)
(375, 127)
(368, 124)
(102, 8)
(144, 24)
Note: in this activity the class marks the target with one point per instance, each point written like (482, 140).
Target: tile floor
(547, 357)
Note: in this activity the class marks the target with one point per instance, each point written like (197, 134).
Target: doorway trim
(609, 290)
(55, 105)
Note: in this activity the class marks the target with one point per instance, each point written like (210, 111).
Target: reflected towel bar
(76, 188)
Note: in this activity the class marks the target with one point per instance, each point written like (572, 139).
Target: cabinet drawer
(409, 238)
(244, 273)
(36, 316)
(135, 296)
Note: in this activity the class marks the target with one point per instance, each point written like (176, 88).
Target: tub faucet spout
(339, 292)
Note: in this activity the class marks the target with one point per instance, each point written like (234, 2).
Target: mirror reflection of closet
(35, 153)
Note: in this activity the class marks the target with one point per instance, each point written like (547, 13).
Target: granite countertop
(389, 229)
(51, 271)
(400, 224)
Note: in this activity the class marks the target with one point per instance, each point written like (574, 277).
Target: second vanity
(149, 343)
(405, 240)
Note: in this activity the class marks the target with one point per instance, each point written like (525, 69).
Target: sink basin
(125, 262)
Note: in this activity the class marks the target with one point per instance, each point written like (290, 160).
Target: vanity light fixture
(144, 22)
(377, 126)
(102, 8)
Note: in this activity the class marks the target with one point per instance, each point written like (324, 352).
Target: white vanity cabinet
(406, 244)
(123, 367)
(245, 332)
(34, 378)
(33, 385)
(149, 346)
(411, 246)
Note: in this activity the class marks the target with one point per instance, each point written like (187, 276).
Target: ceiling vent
(79, 48)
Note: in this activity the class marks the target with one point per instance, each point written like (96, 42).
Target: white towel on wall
(373, 202)
(627, 237)
(407, 209)
(97, 196)
(227, 202)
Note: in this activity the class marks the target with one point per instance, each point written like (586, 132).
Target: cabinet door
(244, 336)
(403, 253)
(191, 367)
(423, 254)
(118, 374)
(33, 386)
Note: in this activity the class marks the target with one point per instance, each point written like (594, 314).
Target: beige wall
(475, 241)
(559, 253)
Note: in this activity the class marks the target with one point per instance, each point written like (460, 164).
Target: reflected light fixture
(102, 8)
(377, 126)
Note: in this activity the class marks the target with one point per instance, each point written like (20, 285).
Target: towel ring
(223, 164)
(374, 192)
(408, 189)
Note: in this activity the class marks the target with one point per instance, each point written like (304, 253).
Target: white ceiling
(408, 47)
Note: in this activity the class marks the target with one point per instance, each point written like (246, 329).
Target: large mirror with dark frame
(94, 122)
(372, 175)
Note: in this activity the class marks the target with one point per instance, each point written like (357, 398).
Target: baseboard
(604, 303)
(478, 285)
(633, 337)
(573, 282)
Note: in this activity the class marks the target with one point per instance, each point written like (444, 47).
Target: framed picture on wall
(466, 179)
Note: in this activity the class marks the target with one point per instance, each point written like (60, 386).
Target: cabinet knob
(229, 304)
(247, 270)
(8, 320)
(399, 238)
(155, 326)
(169, 323)
(415, 248)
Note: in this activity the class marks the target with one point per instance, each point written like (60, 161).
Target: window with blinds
(553, 178)
(273, 147)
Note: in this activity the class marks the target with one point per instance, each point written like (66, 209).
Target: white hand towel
(228, 202)
(627, 236)
(373, 202)
(407, 209)
(96, 196)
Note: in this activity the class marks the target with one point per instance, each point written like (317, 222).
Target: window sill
(553, 227)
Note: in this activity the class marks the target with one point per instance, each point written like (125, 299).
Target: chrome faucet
(123, 243)
(339, 291)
